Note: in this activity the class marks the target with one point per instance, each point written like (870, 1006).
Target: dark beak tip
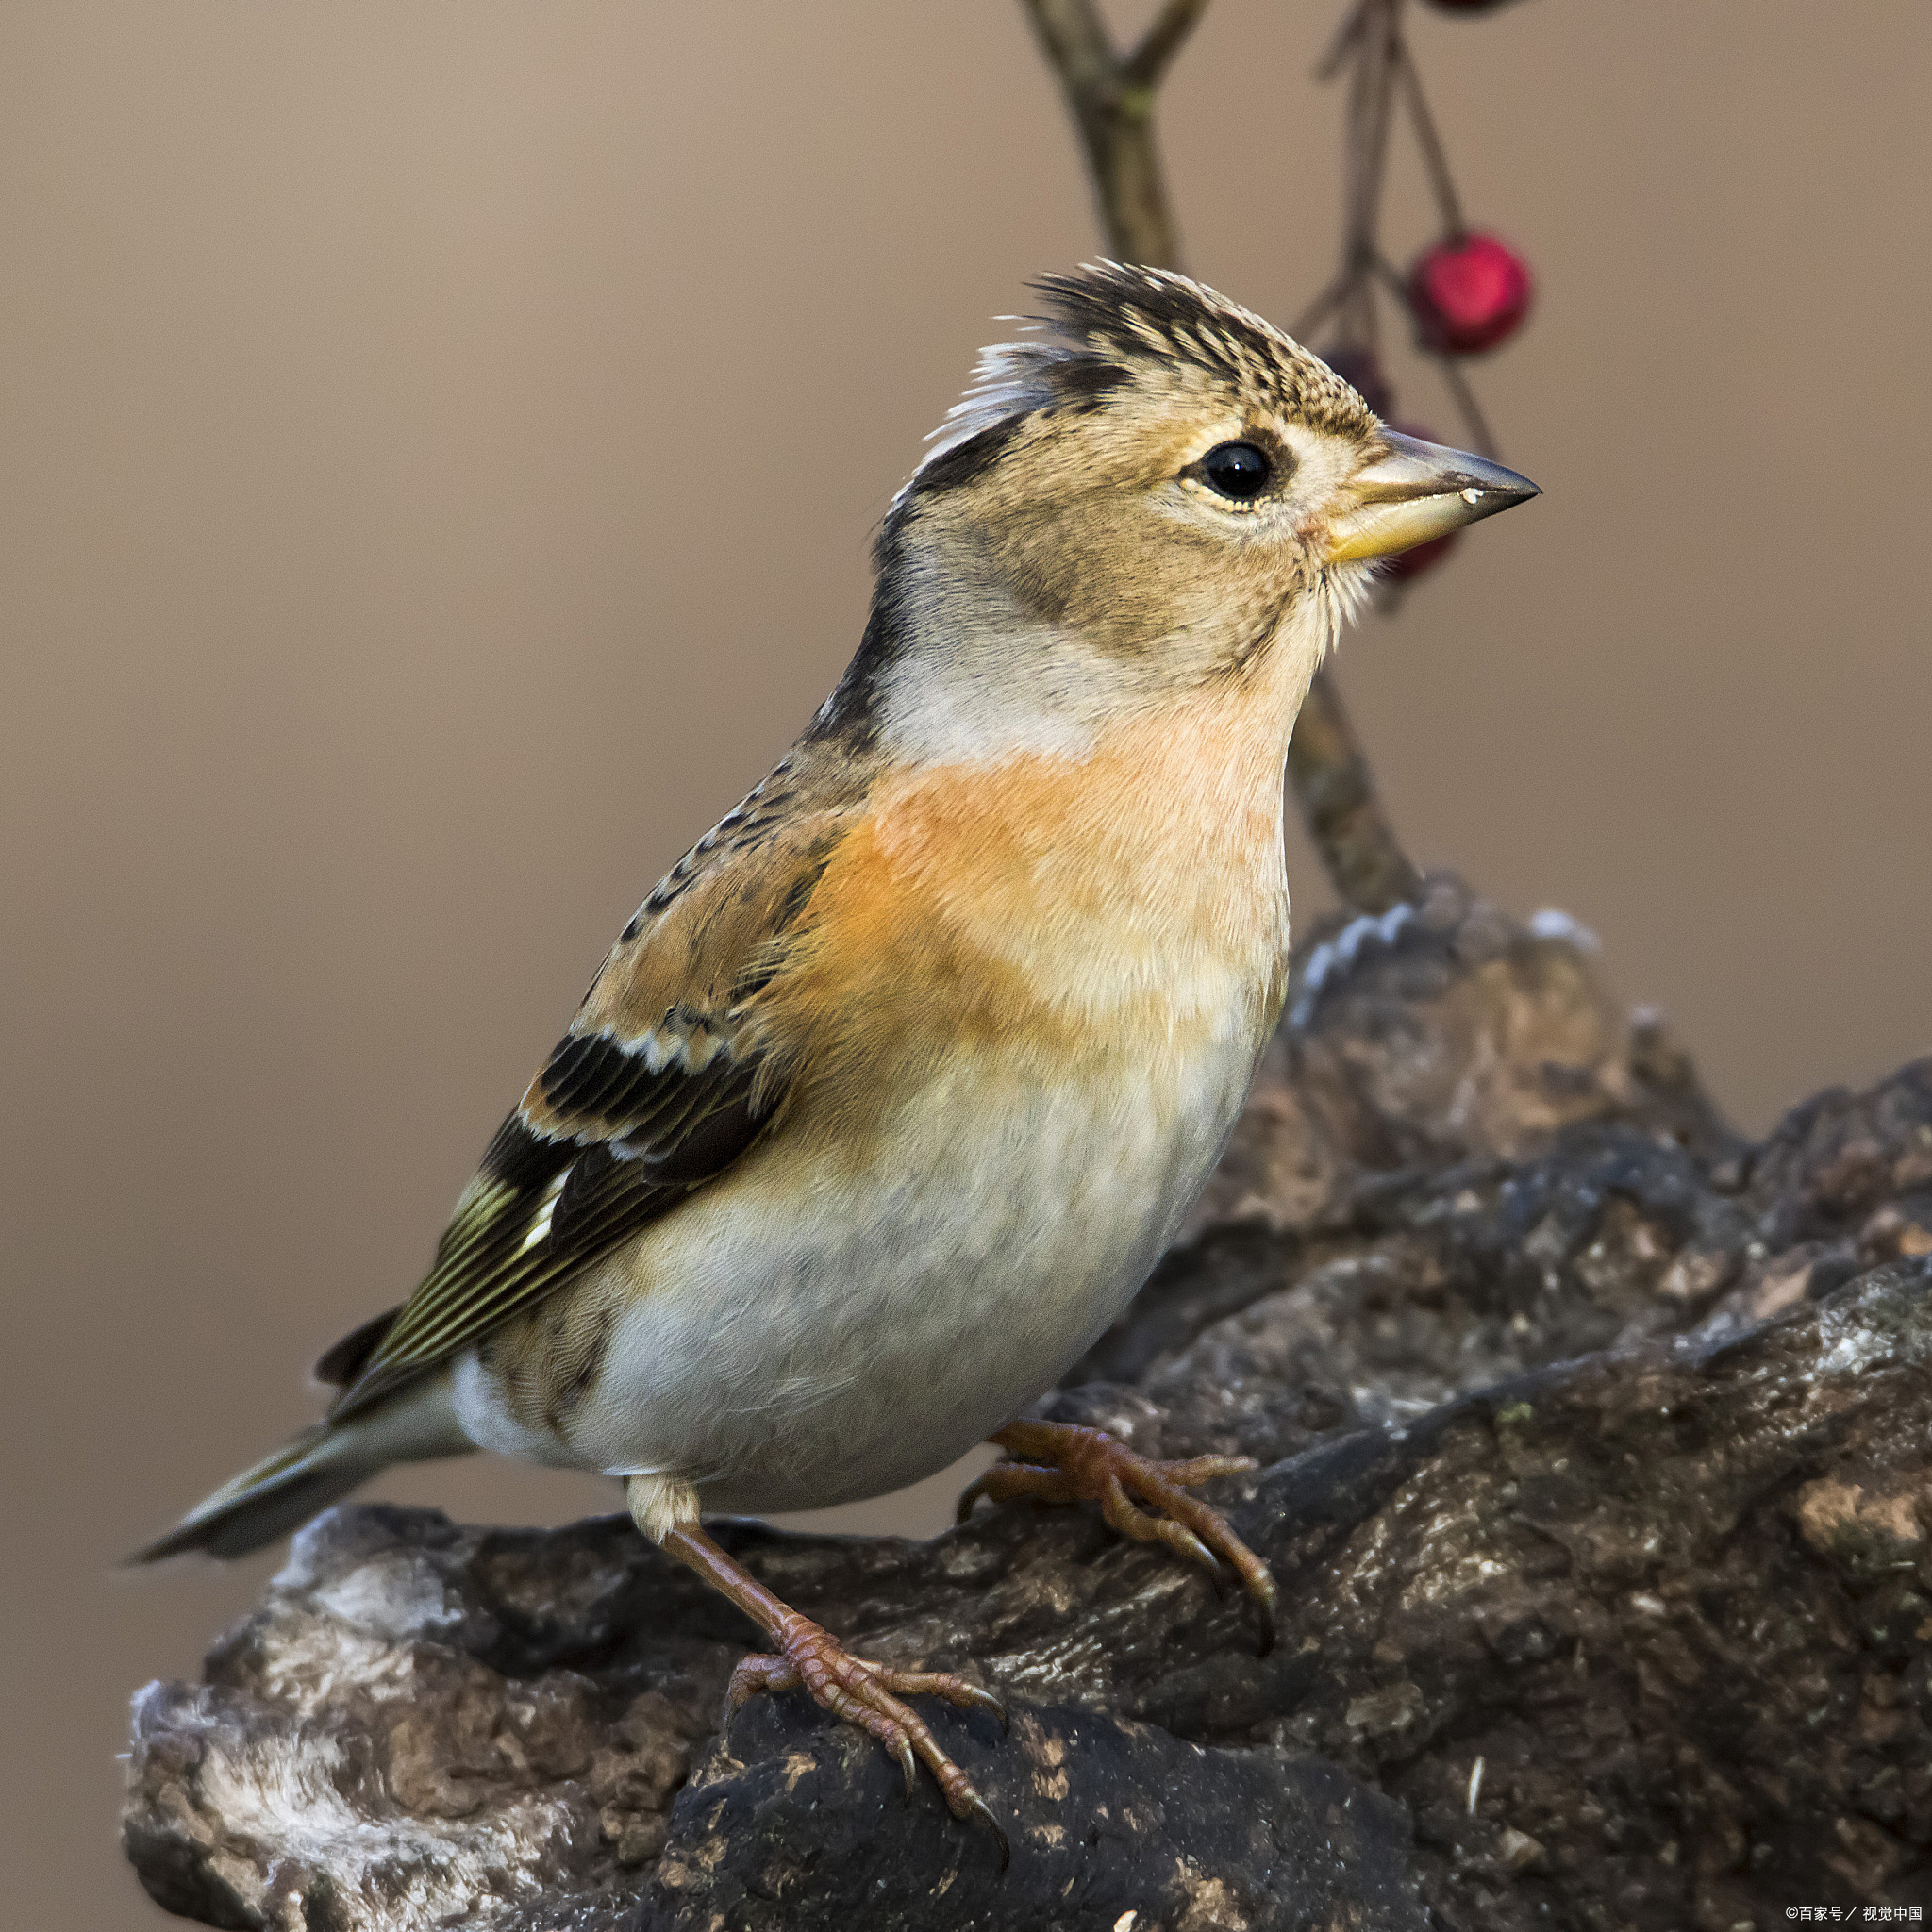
(1518, 490)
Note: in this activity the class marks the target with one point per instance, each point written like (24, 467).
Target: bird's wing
(666, 1077)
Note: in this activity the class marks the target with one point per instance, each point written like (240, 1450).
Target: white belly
(794, 1341)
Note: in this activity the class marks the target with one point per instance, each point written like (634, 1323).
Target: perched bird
(896, 1087)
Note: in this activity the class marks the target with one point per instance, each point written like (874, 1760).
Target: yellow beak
(1417, 492)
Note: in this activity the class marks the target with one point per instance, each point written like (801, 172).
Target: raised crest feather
(1107, 317)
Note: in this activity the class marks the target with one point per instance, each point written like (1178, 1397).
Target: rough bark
(1595, 1450)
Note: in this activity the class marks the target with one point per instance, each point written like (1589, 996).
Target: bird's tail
(319, 1467)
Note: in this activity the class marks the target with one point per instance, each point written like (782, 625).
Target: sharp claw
(1191, 1545)
(977, 1806)
(751, 1676)
(970, 1495)
(977, 1699)
(854, 1690)
(1096, 1468)
(1264, 1601)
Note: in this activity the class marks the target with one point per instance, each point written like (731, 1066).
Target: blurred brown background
(441, 445)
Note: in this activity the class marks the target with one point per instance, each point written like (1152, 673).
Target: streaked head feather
(1109, 323)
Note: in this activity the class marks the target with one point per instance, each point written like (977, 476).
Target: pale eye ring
(1237, 470)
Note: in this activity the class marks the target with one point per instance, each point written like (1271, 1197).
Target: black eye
(1238, 470)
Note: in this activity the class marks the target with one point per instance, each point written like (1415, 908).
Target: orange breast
(1062, 912)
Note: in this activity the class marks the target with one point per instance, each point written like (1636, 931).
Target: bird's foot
(1058, 1462)
(868, 1694)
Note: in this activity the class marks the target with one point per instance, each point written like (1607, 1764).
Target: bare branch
(1336, 791)
(1447, 200)
(1474, 423)
(1076, 45)
(1144, 66)
(1115, 115)
(1320, 310)
(1347, 36)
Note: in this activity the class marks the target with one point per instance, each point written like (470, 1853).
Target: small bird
(896, 1087)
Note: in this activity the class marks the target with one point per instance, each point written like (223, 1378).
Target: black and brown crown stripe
(1138, 314)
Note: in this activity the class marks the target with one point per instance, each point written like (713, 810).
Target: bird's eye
(1237, 470)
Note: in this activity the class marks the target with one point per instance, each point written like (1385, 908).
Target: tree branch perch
(1482, 1286)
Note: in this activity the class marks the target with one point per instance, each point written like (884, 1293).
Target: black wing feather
(644, 1141)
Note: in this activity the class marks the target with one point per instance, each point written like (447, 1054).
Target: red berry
(1469, 294)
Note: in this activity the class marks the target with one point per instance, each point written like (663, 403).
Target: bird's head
(1155, 489)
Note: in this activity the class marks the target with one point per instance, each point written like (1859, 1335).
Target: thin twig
(1111, 100)
(1380, 56)
(1464, 398)
(1336, 791)
(1434, 158)
(1172, 25)
(1453, 378)
(1114, 112)
(1343, 45)
(1076, 44)
(1318, 310)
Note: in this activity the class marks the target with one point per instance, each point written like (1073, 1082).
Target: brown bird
(896, 1087)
